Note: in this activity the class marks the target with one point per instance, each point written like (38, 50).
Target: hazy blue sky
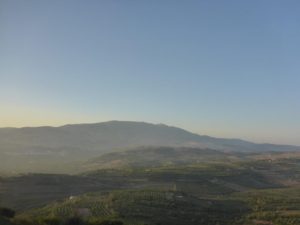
(222, 68)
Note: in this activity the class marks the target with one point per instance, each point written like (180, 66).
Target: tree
(107, 222)
(6, 212)
(111, 222)
(52, 221)
(74, 221)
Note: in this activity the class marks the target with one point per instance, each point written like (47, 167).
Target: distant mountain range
(38, 146)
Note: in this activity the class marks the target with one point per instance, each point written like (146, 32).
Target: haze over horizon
(219, 68)
(142, 122)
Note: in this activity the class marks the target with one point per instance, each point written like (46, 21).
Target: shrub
(52, 221)
(6, 212)
(111, 222)
(74, 221)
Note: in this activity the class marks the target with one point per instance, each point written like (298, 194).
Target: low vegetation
(236, 189)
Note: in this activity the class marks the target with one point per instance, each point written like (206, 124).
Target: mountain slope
(40, 147)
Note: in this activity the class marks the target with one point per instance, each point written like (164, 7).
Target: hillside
(250, 189)
(278, 206)
(150, 206)
(46, 149)
(149, 156)
(146, 206)
(203, 179)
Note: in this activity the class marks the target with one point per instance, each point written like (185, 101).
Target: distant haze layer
(39, 146)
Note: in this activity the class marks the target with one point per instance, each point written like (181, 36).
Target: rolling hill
(146, 207)
(45, 149)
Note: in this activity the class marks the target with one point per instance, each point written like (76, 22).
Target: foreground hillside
(270, 206)
(145, 206)
(60, 149)
(200, 179)
(162, 185)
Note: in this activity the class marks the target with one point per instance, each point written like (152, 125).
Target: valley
(153, 185)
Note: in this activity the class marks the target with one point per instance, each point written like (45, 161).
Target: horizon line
(156, 124)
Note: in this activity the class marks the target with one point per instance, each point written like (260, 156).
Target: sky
(221, 68)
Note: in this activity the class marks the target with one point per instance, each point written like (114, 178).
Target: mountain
(36, 148)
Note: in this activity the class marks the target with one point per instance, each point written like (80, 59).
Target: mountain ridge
(37, 147)
(121, 124)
